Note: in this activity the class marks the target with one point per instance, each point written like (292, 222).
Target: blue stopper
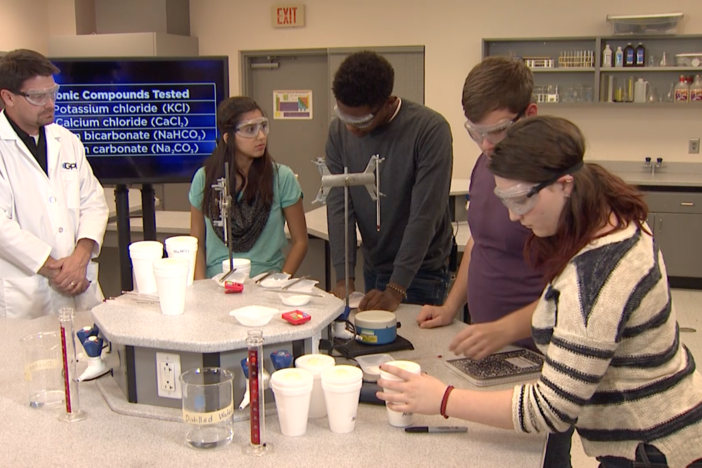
(245, 367)
(281, 359)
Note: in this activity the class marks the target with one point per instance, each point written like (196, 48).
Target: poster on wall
(292, 105)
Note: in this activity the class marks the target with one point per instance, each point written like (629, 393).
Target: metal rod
(228, 219)
(124, 236)
(148, 211)
(377, 193)
(346, 239)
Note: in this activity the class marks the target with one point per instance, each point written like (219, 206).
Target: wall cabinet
(676, 221)
(577, 76)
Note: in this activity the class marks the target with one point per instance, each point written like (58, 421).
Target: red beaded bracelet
(444, 401)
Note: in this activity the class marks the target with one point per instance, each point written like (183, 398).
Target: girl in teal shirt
(266, 195)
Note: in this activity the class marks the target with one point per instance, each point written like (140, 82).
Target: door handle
(687, 204)
(660, 224)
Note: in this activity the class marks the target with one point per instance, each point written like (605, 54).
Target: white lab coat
(42, 216)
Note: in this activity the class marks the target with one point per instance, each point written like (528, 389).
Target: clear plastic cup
(171, 279)
(292, 389)
(183, 247)
(143, 255)
(342, 390)
(43, 365)
(399, 418)
(208, 407)
(316, 363)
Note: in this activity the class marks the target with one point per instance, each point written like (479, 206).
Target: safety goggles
(39, 97)
(523, 197)
(358, 122)
(519, 199)
(251, 128)
(494, 133)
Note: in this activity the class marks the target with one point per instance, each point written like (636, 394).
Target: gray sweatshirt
(415, 177)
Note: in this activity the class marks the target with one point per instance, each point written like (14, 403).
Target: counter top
(35, 438)
(672, 174)
(661, 179)
(209, 328)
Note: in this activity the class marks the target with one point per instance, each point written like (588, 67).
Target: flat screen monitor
(142, 120)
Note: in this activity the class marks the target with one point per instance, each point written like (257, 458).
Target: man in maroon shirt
(501, 289)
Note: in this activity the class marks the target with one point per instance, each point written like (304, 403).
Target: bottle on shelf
(640, 55)
(629, 55)
(682, 90)
(696, 90)
(640, 88)
(607, 57)
(619, 57)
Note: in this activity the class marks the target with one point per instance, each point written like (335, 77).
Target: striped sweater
(614, 367)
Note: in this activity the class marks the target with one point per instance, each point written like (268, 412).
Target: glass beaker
(42, 369)
(208, 406)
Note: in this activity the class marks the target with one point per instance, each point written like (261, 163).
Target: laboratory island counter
(36, 438)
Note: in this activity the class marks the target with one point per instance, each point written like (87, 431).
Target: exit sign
(289, 15)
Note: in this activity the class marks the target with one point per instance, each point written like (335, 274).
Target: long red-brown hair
(539, 148)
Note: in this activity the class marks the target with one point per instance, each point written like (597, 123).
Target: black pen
(435, 429)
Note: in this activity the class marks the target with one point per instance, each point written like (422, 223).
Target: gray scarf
(247, 220)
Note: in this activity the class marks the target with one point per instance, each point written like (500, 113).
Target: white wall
(452, 31)
(24, 25)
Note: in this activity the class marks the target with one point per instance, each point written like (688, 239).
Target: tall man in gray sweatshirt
(407, 259)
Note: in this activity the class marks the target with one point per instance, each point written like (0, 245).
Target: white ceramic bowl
(254, 316)
(294, 300)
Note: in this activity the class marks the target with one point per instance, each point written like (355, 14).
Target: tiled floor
(688, 307)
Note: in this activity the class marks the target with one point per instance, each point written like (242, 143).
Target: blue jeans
(647, 456)
(427, 287)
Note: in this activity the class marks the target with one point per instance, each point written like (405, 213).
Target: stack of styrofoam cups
(143, 255)
(342, 390)
(292, 389)
(183, 247)
(399, 418)
(241, 265)
(316, 363)
(171, 280)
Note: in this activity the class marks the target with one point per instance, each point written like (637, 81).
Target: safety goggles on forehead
(358, 122)
(522, 198)
(251, 128)
(39, 97)
(493, 133)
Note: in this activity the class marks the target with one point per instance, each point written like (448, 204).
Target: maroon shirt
(499, 279)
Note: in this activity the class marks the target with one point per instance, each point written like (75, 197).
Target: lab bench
(673, 194)
(35, 437)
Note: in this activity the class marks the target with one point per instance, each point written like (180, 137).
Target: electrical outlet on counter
(168, 375)
(694, 146)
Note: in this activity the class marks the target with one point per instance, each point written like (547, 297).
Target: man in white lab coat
(53, 212)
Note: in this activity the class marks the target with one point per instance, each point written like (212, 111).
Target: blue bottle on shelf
(640, 55)
(629, 55)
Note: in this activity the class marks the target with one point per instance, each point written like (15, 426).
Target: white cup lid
(292, 378)
(238, 262)
(409, 366)
(342, 375)
(145, 245)
(315, 363)
(181, 240)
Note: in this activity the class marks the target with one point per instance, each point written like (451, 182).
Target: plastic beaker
(208, 406)
(42, 369)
